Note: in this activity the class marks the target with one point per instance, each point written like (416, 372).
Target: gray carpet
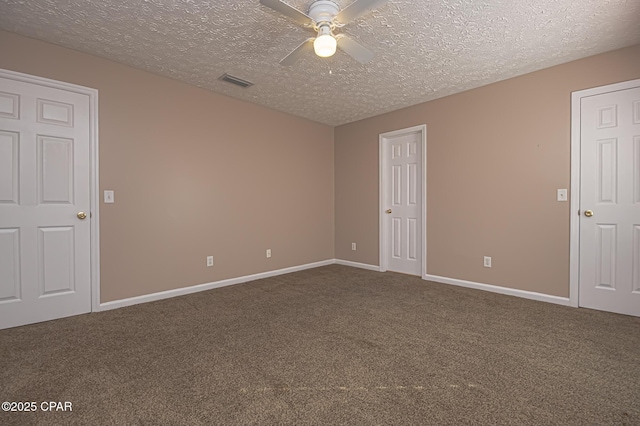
(332, 345)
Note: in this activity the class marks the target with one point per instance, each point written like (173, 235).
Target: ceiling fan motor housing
(323, 12)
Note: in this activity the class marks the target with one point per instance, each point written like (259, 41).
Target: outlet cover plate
(109, 197)
(562, 195)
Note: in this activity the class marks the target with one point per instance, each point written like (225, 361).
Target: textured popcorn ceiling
(424, 49)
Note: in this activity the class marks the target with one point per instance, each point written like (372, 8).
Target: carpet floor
(331, 345)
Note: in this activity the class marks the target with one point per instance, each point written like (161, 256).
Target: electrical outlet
(487, 262)
(209, 261)
(268, 253)
(353, 246)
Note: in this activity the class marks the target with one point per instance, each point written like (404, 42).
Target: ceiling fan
(324, 17)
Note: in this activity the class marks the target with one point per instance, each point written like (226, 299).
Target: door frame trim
(574, 234)
(94, 198)
(383, 178)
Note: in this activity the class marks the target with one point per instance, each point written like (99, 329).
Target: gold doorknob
(388, 211)
(588, 213)
(82, 215)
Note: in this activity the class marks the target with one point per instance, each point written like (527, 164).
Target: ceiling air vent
(235, 80)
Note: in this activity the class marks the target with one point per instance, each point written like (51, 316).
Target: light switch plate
(108, 197)
(562, 195)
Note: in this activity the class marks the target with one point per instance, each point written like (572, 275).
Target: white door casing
(48, 167)
(402, 206)
(605, 257)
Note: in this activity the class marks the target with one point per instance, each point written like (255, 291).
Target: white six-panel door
(44, 184)
(610, 202)
(402, 205)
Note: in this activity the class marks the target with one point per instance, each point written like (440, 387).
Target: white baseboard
(231, 281)
(208, 286)
(357, 265)
(502, 290)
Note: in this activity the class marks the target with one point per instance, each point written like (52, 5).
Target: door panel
(10, 264)
(55, 170)
(9, 105)
(44, 183)
(635, 286)
(9, 167)
(636, 169)
(607, 169)
(53, 112)
(412, 178)
(606, 256)
(396, 187)
(56, 254)
(412, 239)
(610, 188)
(396, 238)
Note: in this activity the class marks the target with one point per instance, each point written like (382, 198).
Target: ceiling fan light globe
(325, 45)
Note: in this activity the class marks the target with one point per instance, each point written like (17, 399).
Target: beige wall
(495, 157)
(194, 174)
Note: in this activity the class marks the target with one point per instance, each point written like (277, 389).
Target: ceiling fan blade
(357, 9)
(289, 11)
(291, 58)
(354, 49)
